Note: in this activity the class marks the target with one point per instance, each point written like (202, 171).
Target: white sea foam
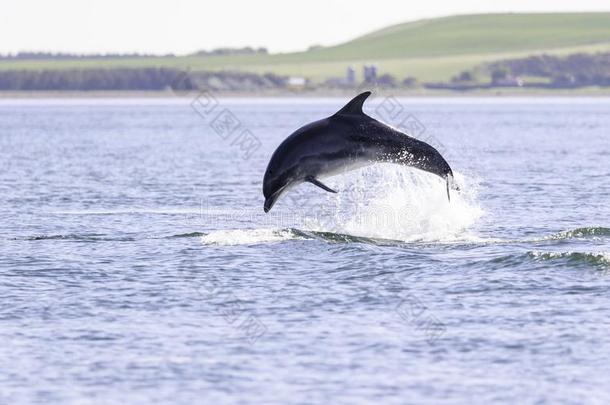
(230, 237)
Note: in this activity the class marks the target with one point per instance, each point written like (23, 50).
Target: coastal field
(429, 50)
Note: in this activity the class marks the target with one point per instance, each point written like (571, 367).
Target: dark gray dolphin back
(392, 145)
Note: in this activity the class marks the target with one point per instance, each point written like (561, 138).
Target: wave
(79, 237)
(581, 233)
(247, 236)
(225, 237)
(270, 235)
(234, 237)
(187, 235)
(105, 238)
(331, 237)
(132, 211)
(592, 232)
(597, 259)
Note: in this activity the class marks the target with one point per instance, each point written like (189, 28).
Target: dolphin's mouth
(268, 204)
(270, 201)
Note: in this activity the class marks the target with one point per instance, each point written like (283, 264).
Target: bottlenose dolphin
(347, 140)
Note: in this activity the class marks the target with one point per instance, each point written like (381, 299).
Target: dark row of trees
(135, 79)
(574, 70)
(75, 56)
(233, 51)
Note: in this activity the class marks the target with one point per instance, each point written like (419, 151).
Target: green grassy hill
(478, 34)
(433, 49)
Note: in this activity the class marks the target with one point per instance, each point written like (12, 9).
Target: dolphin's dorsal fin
(354, 107)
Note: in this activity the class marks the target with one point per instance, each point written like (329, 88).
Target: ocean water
(137, 265)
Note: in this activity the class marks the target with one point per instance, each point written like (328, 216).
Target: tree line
(119, 79)
(574, 70)
(134, 55)
(76, 56)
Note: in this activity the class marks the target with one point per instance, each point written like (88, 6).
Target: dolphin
(347, 140)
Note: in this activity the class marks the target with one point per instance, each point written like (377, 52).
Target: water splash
(378, 203)
(390, 202)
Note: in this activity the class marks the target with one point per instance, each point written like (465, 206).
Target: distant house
(297, 82)
(508, 81)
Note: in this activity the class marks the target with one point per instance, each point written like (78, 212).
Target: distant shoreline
(496, 92)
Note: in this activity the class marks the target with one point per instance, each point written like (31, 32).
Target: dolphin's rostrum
(347, 140)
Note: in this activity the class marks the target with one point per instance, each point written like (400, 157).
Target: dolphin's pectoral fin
(318, 183)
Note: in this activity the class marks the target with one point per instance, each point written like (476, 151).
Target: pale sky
(184, 26)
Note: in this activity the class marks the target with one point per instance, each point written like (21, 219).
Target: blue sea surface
(137, 264)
